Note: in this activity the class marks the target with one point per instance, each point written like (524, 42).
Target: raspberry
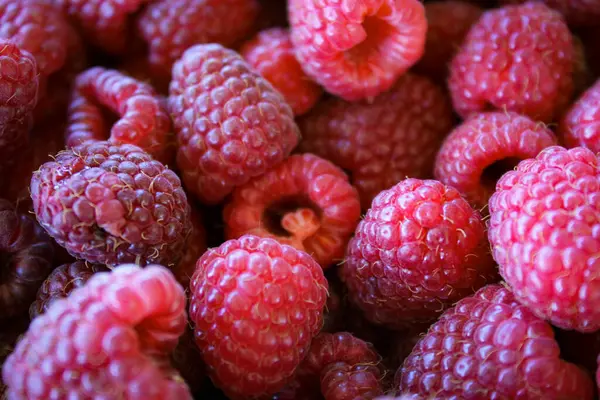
(383, 141)
(581, 125)
(171, 26)
(516, 58)
(26, 260)
(357, 49)
(489, 346)
(419, 249)
(144, 119)
(194, 248)
(109, 339)
(484, 147)
(448, 23)
(576, 12)
(256, 305)
(112, 204)
(338, 366)
(231, 124)
(305, 202)
(545, 233)
(271, 54)
(104, 23)
(61, 282)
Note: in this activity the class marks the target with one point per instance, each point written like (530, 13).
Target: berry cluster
(299, 199)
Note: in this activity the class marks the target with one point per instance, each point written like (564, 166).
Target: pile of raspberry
(299, 200)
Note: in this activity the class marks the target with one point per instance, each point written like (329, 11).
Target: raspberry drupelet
(581, 125)
(271, 53)
(544, 229)
(110, 338)
(515, 58)
(26, 260)
(418, 250)
(256, 305)
(143, 118)
(489, 346)
(112, 204)
(169, 27)
(485, 146)
(357, 49)
(383, 141)
(231, 124)
(305, 202)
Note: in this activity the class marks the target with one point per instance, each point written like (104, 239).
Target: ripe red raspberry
(195, 246)
(419, 249)
(581, 125)
(143, 116)
(61, 282)
(338, 366)
(170, 27)
(484, 147)
(448, 23)
(110, 339)
(305, 202)
(515, 58)
(112, 204)
(26, 260)
(489, 346)
(271, 54)
(576, 12)
(383, 141)
(545, 235)
(357, 49)
(231, 124)
(256, 305)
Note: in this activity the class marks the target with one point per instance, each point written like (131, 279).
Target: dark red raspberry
(448, 23)
(271, 54)
(544, 230)
(61, 282)
(112, 204)
(419, 249)
(576, 12)
(104, 23)
(170, 27)
(256, 305)
(383, 141)
(143, 116)
(581, 125)
(110, 339)
(489, 346)
(515, 58)
(305, 202)
(195, 246)
(231, 124)
(25, 260)
(338, 366)
(404, 397)
(484, 147)
(357, 49)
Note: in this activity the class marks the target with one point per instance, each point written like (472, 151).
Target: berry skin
(515, 58)
(481, 149)
(143, 117)
(576, 12)
(448, 23)
(110, 339)
(384, 141)
(61, 282)
(418, 250)
(112, 204)
(489, 346)
(581, 125)
(171, 26)
(305, 202)
(271, 54)
(544, 230)
(26, 260)
(231, 124)
(357, 50)
(256, 305)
